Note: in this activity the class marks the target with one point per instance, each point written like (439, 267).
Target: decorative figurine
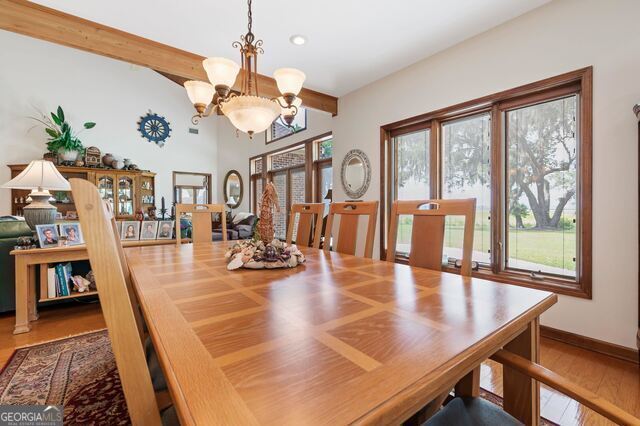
(92, 156)
(268, 203)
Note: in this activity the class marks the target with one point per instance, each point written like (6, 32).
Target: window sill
(554, 284)
(557, 285)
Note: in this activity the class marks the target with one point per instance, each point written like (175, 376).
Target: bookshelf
(31, 262)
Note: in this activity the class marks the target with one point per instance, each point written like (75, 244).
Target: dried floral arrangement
(255, 254)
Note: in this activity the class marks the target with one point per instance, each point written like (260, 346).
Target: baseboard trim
(595, 345)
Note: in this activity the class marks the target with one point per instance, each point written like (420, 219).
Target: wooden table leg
(33, 311)
(469, 385)
(22, 296)
(521, 393)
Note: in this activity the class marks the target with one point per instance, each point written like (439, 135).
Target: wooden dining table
(337, 340)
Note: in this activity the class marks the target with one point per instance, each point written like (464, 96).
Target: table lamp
(40, 176)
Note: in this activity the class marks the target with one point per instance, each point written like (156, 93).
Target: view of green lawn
(553, 248)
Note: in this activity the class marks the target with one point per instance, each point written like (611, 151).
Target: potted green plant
(62, 140)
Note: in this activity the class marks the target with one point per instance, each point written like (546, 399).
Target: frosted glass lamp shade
(199, 92)
(251, 114)
(221, 71)
(289, 80)
(40, 175)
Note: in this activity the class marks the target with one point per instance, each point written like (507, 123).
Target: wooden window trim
(310, 178)
(207, 175)
(578, 81)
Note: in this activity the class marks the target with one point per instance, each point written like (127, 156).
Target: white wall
(561, 36)
(234, 151)
(89, 87)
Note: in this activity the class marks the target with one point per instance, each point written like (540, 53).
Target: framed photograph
(149, 230)
(130, 230)
(165, 230)
(72, 232)
(47, 235)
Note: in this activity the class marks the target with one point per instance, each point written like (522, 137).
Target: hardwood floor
(614, 379)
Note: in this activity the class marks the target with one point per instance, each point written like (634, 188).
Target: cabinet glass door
(105, 187)
(125, 196)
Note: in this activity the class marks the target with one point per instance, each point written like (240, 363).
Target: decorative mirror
(233, 189)
(356, 173)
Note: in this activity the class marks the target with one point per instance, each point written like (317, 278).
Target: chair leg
(163, 399)
(469, 385)
(427, 411)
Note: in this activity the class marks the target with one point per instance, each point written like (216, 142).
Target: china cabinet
(127, 190)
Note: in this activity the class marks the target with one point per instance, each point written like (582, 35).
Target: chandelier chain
(250, 16)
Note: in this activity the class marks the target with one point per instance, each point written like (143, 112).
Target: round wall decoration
(154, 128)
(356, 173)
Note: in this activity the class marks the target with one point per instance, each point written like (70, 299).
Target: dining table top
(338, 340)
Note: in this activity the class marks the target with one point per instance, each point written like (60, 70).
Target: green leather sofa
(10, 230)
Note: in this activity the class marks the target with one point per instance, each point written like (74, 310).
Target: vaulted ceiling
(350, 43)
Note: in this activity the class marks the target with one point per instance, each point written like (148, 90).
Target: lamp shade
(251, 114)
(289, 80)
(199, 92)
(41, 175)
(221, 71)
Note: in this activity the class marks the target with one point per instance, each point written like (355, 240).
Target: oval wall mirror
(356, 173)
(233, 189)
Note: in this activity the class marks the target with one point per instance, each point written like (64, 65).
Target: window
(541, 187)
(191, 188)
(279, 129)
(301, 173)
(413, 178)
(525, 156)
(466, 153)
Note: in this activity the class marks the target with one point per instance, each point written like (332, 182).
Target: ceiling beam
(34, 20)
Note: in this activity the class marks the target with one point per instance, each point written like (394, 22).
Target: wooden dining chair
(104, 254)
(347, 237)
(479, 412)
(306, 224)
(201, 221)
(427, 234)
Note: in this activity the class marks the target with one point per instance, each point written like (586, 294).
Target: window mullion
(497, 190)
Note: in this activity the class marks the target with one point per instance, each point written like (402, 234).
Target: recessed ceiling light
(298, 39)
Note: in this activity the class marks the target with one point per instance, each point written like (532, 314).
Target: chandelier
(248, 111)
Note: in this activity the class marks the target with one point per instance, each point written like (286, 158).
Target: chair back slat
(427, 235)
(427, 238)
(117, 309)
(306, 224)
(201, 221)
(347, 237)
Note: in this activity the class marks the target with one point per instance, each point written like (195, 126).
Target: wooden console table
(26, 263)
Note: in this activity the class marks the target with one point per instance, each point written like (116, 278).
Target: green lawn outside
(555, 248)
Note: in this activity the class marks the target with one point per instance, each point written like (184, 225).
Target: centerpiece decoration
(264, 251)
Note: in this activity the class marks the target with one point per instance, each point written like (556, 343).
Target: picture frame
(119, 227)
(130, 230)
(73, 233)
(165, 230)
(47, 235)
(149, 230)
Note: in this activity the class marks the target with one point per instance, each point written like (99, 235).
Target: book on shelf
(59, 277)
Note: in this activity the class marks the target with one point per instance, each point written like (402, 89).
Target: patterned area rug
(78, 372)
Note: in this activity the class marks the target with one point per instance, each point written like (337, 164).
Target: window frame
(578, 82)
(267, 141)
(192, 187)
(311, 167)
